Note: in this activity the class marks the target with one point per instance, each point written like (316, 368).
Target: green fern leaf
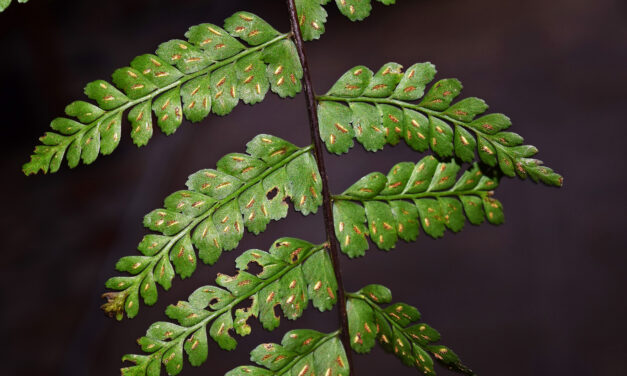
(212, 71)
(246, 190)
(397, 330)
(412, 196)
(4, 4)
(312, 16)
(290, 270)
(301, 352)
(379, 111)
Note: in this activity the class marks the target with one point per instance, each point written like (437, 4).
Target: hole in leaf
(272, 194)
(244, 304)
(277, 310)
(254, 268)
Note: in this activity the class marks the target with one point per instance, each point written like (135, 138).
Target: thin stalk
(310, 97)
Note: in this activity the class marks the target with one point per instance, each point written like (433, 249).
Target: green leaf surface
(290, 271)
(246, 191)
(312, 16)
(301, 352)
(284, 71)
(250, 28)
(428, 120)
(350, 227)
(252, 83)
(427, 195)
(305, 184)
(398, 331)
(336, 129)
(318, 273)
(210, 72)
(361, 325)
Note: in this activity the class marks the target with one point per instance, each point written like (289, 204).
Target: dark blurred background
(543, 294)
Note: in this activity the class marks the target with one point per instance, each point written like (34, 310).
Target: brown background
(543, 294)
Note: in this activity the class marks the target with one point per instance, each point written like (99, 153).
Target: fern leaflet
(247, 190)
(312, 16)
(211, 72)
(293, 272)
(379, 112)
(397, 330)
(424, 194)
(301, 352)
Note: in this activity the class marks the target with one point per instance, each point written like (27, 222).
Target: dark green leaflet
(397, 330)
(247, 190)
(293, 272)
(312, 16)
(424, 195)
(212, 71)
(301, 352)
(379, 109)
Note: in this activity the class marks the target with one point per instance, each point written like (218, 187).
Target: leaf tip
(33, 166)
(115, 304)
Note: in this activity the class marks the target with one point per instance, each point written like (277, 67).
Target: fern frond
(301, 352)
(380, 110)
(293, 272)
(4, 4)
(397, 330)
(312, 16)
(425, 194)
(211, 72)
(246, 190)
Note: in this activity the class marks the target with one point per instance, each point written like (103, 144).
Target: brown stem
(326, 204)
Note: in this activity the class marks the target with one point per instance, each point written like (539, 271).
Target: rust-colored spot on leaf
(339, 361)
(279, 152)
(270, 297)
(357, 338)
(294, 254)
(330, 293)
(304, 370)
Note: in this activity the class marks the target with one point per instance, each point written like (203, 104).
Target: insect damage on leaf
(211, 216)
